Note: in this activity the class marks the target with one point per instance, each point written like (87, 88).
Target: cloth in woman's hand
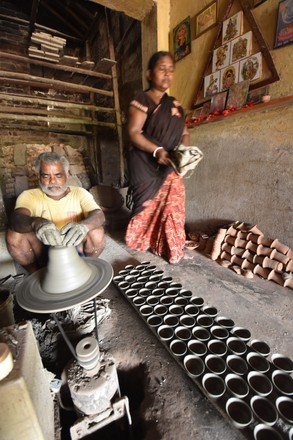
(185, 159)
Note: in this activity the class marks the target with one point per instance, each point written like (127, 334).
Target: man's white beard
(54, 190)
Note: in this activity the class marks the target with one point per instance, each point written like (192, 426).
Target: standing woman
(156, 126)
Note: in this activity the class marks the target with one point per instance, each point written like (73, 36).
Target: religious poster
(229, 76)
(221, 57)
(284, 29)
(241, 47)
(237, 95)
(251, 68)
(212, 84)
(232, 27)
(182, 39)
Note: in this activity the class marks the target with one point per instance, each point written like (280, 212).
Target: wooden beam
(36, 81)
(54, 120)
(60, 17)
(58, 104)
(47, 129)
(70, 69)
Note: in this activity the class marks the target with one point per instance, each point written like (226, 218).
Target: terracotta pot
(237, 251)
(275, 255)
(241, 227)
(264, 241)
(227, 248)
(255, 230)
(290, 254)
(289, 283)
(247, 273)
(264, 410)
(263, 250)
(261, 271)
(229, 239)
(225, 256)
(232, 231)
(258, 259)
(247, 265)
(276, 277)
(252, 237)
(239, 242)
(276, 244)
(289, 266)
(242, 235)
(236, 260)
(236, 269)
(251, 246)
(272, 264)
(239, 412)
(248, 255)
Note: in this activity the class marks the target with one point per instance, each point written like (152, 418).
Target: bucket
(6, 308)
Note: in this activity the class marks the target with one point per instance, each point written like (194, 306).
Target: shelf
(280, 102)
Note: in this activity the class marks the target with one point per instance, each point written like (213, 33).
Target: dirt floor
(165, 403)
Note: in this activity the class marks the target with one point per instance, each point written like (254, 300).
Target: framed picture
(218, 102)
(251, 68)
(212, 84)
(241, 47)
(232, 27)
(182, 39)
(221, 57)
(256, 95)
(206, 18)
(284, 28)
(229, 76)
(237, 95)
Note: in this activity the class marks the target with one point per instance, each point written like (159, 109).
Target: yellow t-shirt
(74, 207)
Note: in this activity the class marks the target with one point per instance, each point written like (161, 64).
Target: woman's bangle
(155, 151)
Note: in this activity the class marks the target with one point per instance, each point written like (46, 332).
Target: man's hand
(73, 233)
(48, 234)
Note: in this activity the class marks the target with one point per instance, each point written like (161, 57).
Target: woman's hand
(163, 157)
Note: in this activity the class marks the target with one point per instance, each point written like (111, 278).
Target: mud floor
(165, 403)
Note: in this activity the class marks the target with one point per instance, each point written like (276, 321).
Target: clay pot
(242, 235)
(241, 333)
(283, 382)
(258, 259)
(225, 322)
(196, 347)
(236, 269)
(289, 283)
(237, 364)
(283, 248)
(272, 264)
(171, 320)
(255, 230)
(264, 410)
(264, 241)
(210, 310)
(217, 347)
(227, 248)
(236, 260)
(165, 332)
(247, 265)
(289, 266)
(252, 237)
(219, 332)
(276, 277)
(232, 231)
(154, 321)
(225, 256)
(204, 320)
(237, 251)
(236, 345)
(258, 362)
(282, 362)
(248, 255)
(259, 383)
(239, 242)
(275, 255)
(215, 364)
(239, 412)
(183, 333)
(261, 272)
(263, 250)
(229, 239)
(264, 432)
(290, 254)
(178, 348)
(201, 333)
(236, 385)
(260, 347)
(251, 246)
(285, 408)
(214, 385)
(194, 365)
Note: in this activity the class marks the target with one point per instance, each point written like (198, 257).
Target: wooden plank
(57, 67)
(60, 104)
(54, 120)
(36, 81)
(46, 129)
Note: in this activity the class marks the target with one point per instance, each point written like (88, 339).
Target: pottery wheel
(30, 295)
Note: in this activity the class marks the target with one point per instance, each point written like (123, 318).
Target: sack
(185, 159)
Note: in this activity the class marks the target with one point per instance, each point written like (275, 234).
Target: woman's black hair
(156, 57)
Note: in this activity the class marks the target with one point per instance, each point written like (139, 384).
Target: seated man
(55, 214)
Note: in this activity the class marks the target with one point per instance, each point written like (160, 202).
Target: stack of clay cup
(248, 252)
(233, 370)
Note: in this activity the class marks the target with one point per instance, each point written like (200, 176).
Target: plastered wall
(247, 171)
